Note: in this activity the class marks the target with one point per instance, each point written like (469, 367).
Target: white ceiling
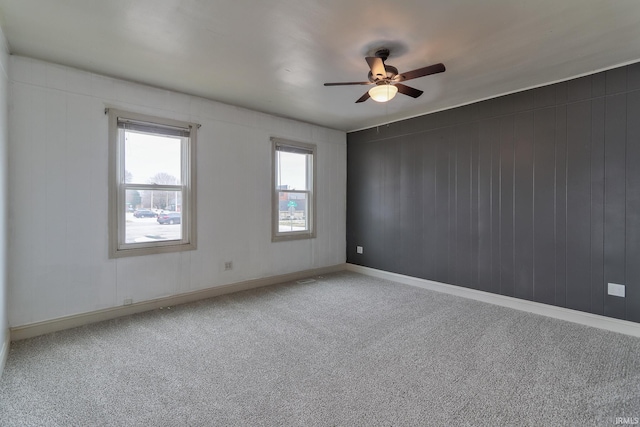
(275, 55)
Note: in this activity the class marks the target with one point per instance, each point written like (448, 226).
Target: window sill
(151, 250)
(292, 236)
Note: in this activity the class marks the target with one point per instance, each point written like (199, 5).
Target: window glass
(151, 158)
(292, 171)
(293, 212)
(145, 224)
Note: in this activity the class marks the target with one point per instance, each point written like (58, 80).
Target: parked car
(169, 218)
(145, 213)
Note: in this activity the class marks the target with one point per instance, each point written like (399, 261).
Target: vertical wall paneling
(462, 256)
(475, 174)
(616, 80)
(453, 205)
(56, 192)
(427, 232)
(598, 287)
(534, 195)
(632, 208)
(365, 215)
(544, 158)
(391, 199)
(523, 205)
(579, 89)
(357, 187)
(411, 207)
(633, 77)
(615, 194)
(442, 203)
(560, 231)
(578, 205)
(375, 240)
(506, 194)
(496, 280)
(545, 97)
(484, 206)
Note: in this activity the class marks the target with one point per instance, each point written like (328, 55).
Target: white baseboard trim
(4, 351)
(588, 319)
(67, 322)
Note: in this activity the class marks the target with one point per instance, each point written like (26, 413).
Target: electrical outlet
(359, 249)
(616, 290)
(228, 265)
(127, 301)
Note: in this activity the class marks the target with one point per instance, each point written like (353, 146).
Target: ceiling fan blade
(414, 93)
(363, 97)
(348, 83)
(421, 72)
(377, 67)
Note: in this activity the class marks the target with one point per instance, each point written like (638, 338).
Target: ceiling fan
(387, 79)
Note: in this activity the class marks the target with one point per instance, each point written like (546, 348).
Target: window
(294, 165)
(152, 185)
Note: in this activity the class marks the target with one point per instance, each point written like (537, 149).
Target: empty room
(319, 213)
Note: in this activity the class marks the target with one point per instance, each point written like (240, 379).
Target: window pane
(153, 216)
(291, 171)
(293, 209)
(158, 200)
(151, 159)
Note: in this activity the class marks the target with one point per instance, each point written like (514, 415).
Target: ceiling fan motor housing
(391, 73)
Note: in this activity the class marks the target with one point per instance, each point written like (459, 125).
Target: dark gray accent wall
(534, 195)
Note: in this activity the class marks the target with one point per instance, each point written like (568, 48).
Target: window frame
(310, 233)
(117, 187)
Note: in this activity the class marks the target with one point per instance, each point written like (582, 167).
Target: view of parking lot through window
(293, 183)
(152, 215)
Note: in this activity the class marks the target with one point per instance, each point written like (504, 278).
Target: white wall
(58, 258)
(4, 83)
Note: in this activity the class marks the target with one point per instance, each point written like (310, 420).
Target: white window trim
(117, 190)
(276, 235)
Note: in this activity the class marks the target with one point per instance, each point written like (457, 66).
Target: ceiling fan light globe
(383, 93)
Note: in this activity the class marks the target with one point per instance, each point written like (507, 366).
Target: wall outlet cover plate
(616, 290)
